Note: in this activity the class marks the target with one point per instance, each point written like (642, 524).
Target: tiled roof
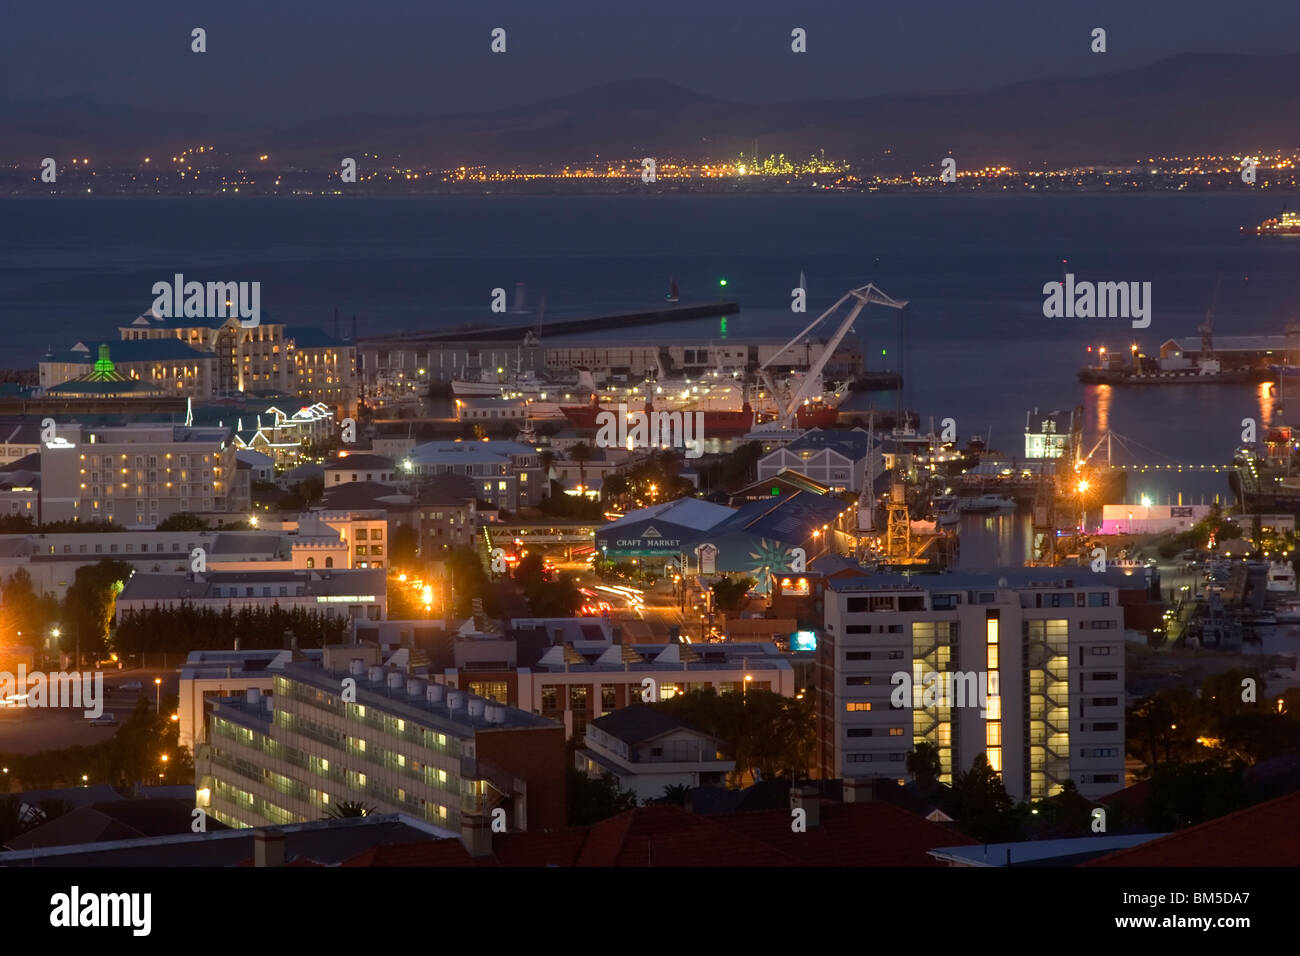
(1267, 834)
(662, 835)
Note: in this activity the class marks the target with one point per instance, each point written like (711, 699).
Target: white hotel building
(1049, 642)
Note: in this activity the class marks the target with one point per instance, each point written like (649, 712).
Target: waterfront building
(268, 357)
(168, 366)
(837, 459)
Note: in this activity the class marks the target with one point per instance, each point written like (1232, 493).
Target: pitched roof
(115, 820)
(636, 723)
(663, 835)
(1263, 835)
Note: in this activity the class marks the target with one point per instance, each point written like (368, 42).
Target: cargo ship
(716, 422)
(1287, 224)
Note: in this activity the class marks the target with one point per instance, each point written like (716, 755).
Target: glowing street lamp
(157, 684)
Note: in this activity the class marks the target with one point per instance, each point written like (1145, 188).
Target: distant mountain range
(1183, 105)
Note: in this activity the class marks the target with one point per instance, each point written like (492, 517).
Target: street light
(157, 683)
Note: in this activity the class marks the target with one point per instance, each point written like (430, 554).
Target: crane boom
(865, 295)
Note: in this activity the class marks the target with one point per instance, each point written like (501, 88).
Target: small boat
(986, 504)
(1281, 577)
(672, 295)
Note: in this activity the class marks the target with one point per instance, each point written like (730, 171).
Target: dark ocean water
(972, 268)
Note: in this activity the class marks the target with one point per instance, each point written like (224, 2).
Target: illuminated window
(857, 706)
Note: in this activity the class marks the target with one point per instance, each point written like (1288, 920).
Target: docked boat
(986, 504)
(1281, 577)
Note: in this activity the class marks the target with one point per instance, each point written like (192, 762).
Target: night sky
(271, 60)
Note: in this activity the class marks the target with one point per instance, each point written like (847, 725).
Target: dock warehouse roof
(1261, 344)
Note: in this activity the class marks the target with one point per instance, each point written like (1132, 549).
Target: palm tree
(581, 453)
(347, 808)
(924, 765)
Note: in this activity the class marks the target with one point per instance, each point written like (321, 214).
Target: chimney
(805, 798)
(268, 848)
(857, 790)
(476, 834)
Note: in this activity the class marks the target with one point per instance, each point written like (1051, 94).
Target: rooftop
(1015, 578)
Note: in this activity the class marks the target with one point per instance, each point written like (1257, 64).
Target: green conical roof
(104, 370)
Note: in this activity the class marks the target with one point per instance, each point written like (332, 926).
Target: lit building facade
(136, 475)
(267, 357)
(396, 743)
(1025, 666)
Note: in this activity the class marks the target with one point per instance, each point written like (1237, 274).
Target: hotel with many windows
(136, 475)
(1025, 666)
(207, 358)
(347, 729)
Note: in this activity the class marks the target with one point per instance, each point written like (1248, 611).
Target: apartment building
(209, 675)
(356, 594)
(359, 466)
(350, 729)
(445, 514)
(1023, 665)
(646, 751)
(576, 681)
(506, 474)
(136, 475)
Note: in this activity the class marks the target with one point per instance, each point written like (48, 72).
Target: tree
(23, 612)
(590, 800)
(582, 453)
(925, 765)
(558, 598)
(183, 521)
(347, 808)
(547, 460)
(88, 605)
(404, 549)
(729, 593)
(983, 807)
(675, 793)
(613, 487)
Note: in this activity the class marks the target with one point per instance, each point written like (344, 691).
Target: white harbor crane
(865, 295)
